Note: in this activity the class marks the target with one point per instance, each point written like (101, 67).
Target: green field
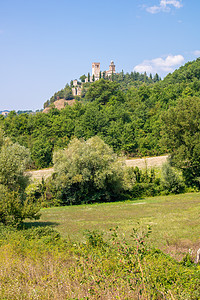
(38, 263)
(174, 220)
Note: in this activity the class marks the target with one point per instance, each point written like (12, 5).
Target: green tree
(41, 152)
(156, 78)
(87, 171)
(67, 94)
(15, 206)
(102, 90)
(171, 180)
(181, 135)
(82, 78)
(13, 161)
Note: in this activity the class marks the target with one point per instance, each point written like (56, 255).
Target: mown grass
(174, 220)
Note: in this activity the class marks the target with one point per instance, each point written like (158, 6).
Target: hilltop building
(95, 69)
(77, 88)
(96, 75)
(111, 69)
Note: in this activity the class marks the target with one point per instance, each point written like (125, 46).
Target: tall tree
(181, 135)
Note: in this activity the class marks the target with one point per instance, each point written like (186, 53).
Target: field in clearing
(174, 220)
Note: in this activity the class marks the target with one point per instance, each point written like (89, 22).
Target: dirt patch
(60, 104)
(39, 174)
(141, 163)
(147, 162)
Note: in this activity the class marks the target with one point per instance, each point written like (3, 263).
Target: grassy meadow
(174, 220)
(69, 262)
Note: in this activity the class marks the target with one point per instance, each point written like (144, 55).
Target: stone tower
(96, 69)
(112, 67)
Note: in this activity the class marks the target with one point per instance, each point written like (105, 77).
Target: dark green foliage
(171, 180)
(44, 193)
(16, 207)
(181, 134)
(101, 91)
(144, 182)
(82, 78)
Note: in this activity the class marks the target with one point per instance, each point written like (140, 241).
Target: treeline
(130, 121)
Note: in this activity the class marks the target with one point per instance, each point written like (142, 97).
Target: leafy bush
(141, 183)
(15, 206)
(13, 161)
(171, 180)
(87, 171)
(43, 192)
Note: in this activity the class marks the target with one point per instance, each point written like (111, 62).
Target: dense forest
(128, 112)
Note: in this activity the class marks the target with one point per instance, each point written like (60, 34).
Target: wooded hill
(126, 81)
(127, 113)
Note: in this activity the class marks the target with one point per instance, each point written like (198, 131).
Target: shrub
(141, 183)
(171, 180)
(87, 171)
(15, 206)
(13, 161)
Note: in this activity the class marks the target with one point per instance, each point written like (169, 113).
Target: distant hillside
(127, 114)
(4, 112)
(19, 112)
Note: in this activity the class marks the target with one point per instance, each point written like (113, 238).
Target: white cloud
(164, 6)
(196, 52)
(160, 65)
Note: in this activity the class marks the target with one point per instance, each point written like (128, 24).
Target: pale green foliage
(129, 178)
(13, 162)
(15, 206)
(87, 171)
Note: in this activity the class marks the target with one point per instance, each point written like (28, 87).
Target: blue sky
(46, 43)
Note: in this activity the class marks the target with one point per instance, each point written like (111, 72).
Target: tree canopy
(181, 135)
(14, 204)
(87, 171)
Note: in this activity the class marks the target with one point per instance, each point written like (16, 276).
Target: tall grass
(39, 264)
